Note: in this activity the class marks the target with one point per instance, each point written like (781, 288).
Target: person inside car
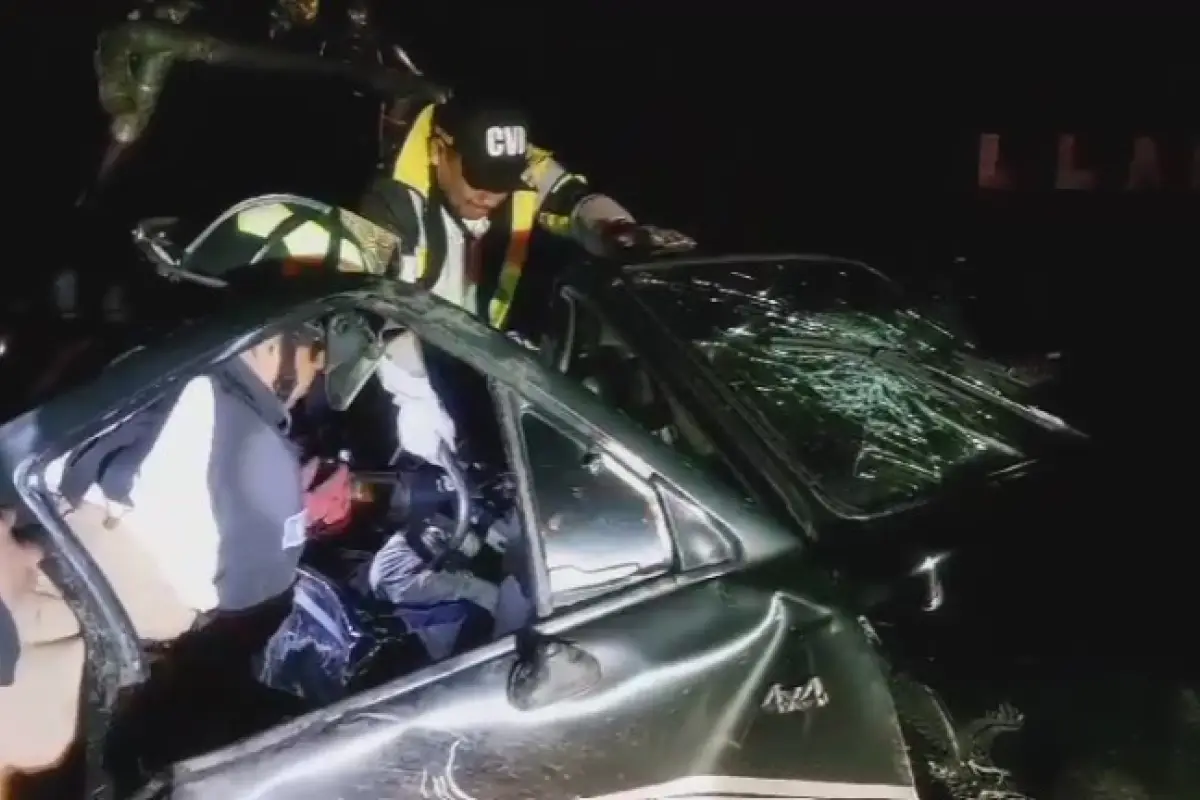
(465, 191)
(423, 568)
(196, 510)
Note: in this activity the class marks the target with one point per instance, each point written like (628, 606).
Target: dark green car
(765, 508)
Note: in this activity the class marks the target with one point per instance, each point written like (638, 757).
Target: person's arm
(172, 490)
(567, 205)
(400, 575)
(422, 424)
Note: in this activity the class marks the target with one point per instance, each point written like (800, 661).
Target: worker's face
(266, 360)
(465, 200)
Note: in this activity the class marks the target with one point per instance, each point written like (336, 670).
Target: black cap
(492, 140)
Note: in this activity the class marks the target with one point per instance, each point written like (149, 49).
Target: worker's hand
(650, 239)
(423, 426)
(327, 500)
(18, 562)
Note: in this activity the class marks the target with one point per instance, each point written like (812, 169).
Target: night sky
(752, 125)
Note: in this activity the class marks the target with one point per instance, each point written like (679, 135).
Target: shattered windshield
(829, 356)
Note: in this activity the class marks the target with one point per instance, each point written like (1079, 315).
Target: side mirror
(152, 238)
(548, 671)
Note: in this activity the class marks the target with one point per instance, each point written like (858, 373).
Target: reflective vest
(413, 169)
(302, 240)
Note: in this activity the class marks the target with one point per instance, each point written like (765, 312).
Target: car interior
(585, 348)
(393, 492)
(220, 678)
(216, 679)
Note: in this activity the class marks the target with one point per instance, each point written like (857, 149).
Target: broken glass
(854, 381)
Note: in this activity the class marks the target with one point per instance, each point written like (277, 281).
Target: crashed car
(708, 531)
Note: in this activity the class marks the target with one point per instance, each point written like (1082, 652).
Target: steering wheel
(461, 489)
(462, 501)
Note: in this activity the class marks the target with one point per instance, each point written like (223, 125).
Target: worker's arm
(423, 426)
(568, 206)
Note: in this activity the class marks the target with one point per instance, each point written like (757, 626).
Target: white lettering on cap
(505, 140)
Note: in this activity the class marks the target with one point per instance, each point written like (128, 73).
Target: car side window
(590, 352)
(602, 526)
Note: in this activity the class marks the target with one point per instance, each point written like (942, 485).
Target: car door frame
(748, 448)
(29, 443)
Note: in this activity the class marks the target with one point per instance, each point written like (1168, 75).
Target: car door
(84, 590)
(649, 669)
(78, 592)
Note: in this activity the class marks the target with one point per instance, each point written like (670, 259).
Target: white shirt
(171, 509)
(171, 513)
(453, 284)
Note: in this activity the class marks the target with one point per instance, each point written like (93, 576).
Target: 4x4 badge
(808, 695)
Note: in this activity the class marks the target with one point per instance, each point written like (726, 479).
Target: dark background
(754, 127)
(751, 125)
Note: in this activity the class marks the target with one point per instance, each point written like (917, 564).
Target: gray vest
(253, 477)
(254, 480)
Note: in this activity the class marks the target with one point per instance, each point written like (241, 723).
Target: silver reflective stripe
(550, 180)
(730, 787)
(316, 612)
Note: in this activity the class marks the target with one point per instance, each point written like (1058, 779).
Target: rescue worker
(465, 192)
(300, 238)
(195, 510)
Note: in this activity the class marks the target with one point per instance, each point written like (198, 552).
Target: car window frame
(42, 502)
(759, 473)
(594, 443)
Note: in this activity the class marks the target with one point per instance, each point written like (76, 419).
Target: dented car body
(721, 654)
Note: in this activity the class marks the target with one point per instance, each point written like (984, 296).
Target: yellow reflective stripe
(412, 165)
(544, 174)
(412, 168)
(310, 240)
(261, 220)
(524, 210)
